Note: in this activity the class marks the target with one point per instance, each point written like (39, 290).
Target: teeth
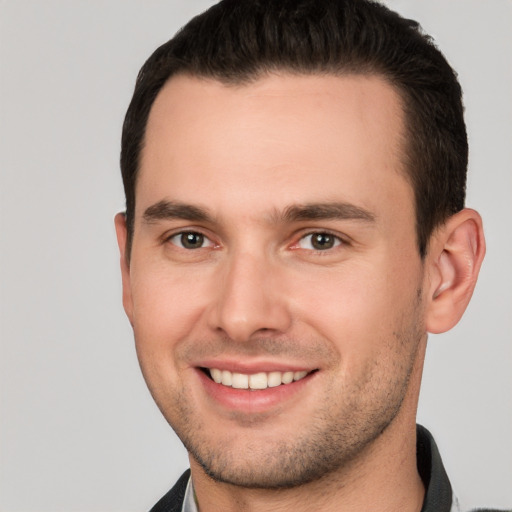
(287, 377)
(260, 380)
(227, 378)
(274, 379)
(216, 375)
(240, 381)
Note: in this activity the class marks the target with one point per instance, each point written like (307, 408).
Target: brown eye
(322, 241)
(319, 241)
(190, 240)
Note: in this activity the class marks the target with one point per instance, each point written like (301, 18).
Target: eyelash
(182, 234)
(337, 240)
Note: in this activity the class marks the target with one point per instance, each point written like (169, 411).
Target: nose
(250, 299)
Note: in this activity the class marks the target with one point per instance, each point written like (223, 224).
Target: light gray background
(78, 429)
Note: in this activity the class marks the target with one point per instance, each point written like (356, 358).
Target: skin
(237, 165)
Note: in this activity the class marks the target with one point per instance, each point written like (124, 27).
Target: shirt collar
(438, 491)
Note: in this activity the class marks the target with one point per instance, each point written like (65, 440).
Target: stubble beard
(340, 431)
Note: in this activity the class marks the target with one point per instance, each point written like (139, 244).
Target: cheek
(358, 308)
(167, 306)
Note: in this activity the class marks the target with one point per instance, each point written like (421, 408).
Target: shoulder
(173, 500)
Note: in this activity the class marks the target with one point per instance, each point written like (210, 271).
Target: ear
(454, 259)
(122, 237)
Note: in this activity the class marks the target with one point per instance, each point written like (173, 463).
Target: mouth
(255, 381)
(249, 391)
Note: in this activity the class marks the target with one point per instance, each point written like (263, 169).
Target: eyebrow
(169, 210)
(327, 211)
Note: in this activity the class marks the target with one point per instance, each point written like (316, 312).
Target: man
(295, 226)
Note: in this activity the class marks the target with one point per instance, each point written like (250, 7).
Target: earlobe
(122, 236)
(455, 257)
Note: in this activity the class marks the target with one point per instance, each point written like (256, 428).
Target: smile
(255, 381)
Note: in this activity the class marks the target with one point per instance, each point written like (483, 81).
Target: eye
(190, 240)
(319, 241)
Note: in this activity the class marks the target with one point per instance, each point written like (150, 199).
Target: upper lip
(250, 368)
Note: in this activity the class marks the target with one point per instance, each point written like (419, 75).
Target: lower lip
(253, 401)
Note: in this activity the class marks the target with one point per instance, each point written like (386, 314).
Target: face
(274, 285)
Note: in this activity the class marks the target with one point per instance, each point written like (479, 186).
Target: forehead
(293, 138)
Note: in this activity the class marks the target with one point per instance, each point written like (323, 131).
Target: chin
(283, 461)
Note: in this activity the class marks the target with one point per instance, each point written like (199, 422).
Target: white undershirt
(189, 503)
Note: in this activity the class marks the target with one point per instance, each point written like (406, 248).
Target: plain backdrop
(78, 429)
